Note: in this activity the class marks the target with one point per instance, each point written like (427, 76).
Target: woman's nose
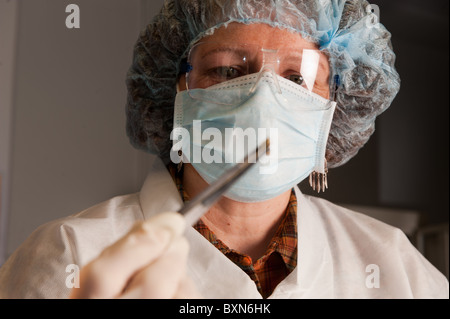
(270, 63)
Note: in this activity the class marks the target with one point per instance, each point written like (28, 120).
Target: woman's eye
(227, 72)
(296, 78)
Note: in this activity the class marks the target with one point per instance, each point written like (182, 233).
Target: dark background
(405, 164)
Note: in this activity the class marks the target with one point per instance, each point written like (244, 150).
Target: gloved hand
(148, 262)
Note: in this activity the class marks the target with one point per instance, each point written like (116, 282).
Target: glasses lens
(215, 63)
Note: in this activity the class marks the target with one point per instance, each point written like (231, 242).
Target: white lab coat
(335, 247)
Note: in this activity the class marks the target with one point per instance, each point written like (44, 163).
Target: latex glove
(148, 262)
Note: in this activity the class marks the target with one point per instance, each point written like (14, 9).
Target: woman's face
(239, 49)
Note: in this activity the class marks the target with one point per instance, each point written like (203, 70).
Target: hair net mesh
(359, 48)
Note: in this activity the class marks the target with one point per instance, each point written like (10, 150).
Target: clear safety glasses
(212, 63)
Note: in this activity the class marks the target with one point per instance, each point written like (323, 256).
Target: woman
(317, 72)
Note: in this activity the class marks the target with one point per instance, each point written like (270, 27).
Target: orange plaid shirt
(280, 257)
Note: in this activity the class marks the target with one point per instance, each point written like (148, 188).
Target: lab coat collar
(313, 276)
(218, 277)
(159, 193)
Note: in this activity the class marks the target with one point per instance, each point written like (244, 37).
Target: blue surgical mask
(209, 125)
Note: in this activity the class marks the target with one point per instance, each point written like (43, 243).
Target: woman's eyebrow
(293, 57)
(234, 51)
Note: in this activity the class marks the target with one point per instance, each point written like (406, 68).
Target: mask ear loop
(271, 64)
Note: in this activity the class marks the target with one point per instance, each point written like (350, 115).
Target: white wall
(69, 146)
